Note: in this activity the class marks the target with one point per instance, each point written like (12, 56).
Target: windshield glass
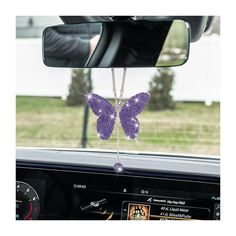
(182, 115)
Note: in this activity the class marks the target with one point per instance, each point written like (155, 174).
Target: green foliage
(77, 88)
(160, 88)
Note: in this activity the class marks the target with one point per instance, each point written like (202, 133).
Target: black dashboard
(56, 191)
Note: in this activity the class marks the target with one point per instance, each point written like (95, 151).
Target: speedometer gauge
(27, 202)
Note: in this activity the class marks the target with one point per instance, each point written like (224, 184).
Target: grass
(190, 128)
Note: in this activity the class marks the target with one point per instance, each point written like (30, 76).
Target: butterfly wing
(129, 111)
(106, 114)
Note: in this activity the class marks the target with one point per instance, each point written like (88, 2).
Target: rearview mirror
(117, 44)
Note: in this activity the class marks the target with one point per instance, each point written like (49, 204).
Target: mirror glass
(117, 44)
(175, 49)
(70, 45)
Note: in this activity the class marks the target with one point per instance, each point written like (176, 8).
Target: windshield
(182, 115)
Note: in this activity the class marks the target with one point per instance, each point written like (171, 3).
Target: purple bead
(118, 167)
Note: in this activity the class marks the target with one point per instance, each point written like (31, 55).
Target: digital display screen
(139, 211)
(96, 196)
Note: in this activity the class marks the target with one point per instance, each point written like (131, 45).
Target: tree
(160, 88)
(77, 88)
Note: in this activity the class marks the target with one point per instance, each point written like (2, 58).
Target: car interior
(55, 183)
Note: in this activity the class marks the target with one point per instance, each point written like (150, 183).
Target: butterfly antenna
(98, 143)
(83, 94)
(137, 142)
(140, 129)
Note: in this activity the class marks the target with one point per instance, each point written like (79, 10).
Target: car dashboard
(81, 185)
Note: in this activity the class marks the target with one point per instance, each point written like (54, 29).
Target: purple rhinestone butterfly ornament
(107, 114)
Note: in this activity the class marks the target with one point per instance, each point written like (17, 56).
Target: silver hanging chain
(118, 106)
(122, 84)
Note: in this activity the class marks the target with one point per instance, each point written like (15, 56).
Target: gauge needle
(94, 204)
